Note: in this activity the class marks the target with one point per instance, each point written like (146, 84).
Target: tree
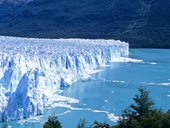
(100, 125)
(143, 102)
(52, 122)
(136, 114)
(82, 124)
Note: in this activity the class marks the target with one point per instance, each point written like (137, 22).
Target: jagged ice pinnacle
(32, 70)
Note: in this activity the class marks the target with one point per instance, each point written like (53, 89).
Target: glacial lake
(105, 94)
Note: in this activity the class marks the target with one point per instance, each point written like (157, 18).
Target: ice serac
(32, 70)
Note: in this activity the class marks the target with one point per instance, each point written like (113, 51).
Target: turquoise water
(110, 91)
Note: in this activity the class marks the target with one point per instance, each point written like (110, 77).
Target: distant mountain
(15, 2)
(142, 23)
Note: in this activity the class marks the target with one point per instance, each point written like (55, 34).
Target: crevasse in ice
(31, 70)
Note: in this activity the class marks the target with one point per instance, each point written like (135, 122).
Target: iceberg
(32, 70)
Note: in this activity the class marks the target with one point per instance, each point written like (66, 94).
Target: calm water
(110, 91)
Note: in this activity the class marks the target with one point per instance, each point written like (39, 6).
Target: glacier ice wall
(32, 70)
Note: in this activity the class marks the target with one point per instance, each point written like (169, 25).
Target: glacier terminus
(32, 70)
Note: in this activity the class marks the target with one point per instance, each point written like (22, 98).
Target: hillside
(142, 23)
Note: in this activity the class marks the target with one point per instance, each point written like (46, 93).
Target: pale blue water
(112, 90)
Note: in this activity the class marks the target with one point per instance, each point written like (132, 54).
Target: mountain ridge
(142, 23)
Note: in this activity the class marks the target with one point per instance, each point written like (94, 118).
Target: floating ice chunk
(118, 81)
(112, 92)
(164, 84)
(123, 59)
(153, 63)
(113, 118)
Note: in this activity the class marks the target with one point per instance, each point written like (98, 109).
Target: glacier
(33, 70)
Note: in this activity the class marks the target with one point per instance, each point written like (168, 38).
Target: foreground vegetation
(141, 114)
